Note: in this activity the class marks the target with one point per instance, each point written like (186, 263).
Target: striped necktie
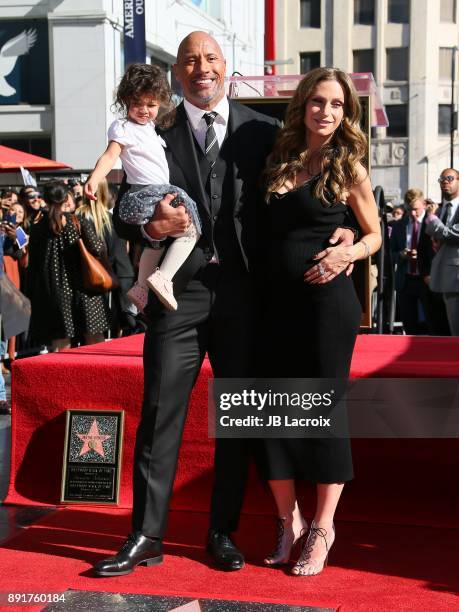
(211, 142)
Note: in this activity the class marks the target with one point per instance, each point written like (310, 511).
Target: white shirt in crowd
(143, 157)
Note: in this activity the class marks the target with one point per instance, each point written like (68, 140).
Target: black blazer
(398, 244)
(250, 138)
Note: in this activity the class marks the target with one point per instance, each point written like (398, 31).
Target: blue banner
(135, 49)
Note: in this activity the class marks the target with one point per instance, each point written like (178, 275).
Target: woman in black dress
(313, 174)
(61, 309)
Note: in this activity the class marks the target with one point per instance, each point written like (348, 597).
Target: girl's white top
(143, 157)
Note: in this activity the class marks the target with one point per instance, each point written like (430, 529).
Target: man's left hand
(333, 260)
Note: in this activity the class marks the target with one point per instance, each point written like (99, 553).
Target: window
(397, 115)
(308, 61)
(36, 146)
(444, 119)
(445, 63)
(364, 12)
(364, 60)
(448, 11)
(397, 64)
(398, 11)
(310, 13)
(213, 7)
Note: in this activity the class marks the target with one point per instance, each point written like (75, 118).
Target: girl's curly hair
(339, 155)
(140, 80)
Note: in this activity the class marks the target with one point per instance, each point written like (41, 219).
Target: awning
(11, 160)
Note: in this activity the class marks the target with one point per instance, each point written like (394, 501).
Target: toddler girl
(133, 138)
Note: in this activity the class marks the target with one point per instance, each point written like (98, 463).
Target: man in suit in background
(405, 241)
(216, 151)
(444, 229)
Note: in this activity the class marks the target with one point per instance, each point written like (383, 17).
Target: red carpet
(397, 536)
(372, 567)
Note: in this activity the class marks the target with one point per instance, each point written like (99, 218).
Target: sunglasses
(446, 179)
(33, 196)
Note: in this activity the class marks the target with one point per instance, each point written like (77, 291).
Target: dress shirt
(409, 229)
(198, 123)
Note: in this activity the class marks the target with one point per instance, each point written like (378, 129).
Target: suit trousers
(452, 310)
(214, 315)
(413, 295)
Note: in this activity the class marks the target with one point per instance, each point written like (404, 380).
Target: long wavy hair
(97, 211)
(339, 155)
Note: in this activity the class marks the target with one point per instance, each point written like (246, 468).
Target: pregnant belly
(291, 258)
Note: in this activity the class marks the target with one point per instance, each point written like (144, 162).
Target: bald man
(218, 160)
(444, 229)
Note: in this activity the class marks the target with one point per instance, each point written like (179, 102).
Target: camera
(10, 218)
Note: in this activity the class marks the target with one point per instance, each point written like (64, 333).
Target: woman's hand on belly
(331, 262)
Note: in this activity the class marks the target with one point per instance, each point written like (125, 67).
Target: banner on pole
(135, 49)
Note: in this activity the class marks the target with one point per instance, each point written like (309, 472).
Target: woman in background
(61, 310)
(97, 213)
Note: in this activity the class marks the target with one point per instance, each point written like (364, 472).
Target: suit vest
(218, 183)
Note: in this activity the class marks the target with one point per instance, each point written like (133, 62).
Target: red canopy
(12, 160)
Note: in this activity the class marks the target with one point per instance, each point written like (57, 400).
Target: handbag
(97, 275)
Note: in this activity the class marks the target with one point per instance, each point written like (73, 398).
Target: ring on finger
(320, 269)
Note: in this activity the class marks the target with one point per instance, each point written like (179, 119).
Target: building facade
(65, 59)
(409, 46)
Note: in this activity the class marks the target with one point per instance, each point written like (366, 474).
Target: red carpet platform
(397, 536)
(394, 478)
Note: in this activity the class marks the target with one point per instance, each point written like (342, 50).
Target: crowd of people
(255, 228)
(424, 240)
(40, 257)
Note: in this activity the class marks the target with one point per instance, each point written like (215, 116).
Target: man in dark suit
(216, 151)
(407, 239)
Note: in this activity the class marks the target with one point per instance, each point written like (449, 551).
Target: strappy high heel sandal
(307, 565)
(286, 541)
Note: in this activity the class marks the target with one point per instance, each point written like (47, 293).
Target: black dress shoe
(137, 550)
(223, 551)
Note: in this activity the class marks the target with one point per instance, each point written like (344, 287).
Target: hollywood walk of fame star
(93, 440)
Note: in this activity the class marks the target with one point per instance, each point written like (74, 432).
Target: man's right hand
(167, 220)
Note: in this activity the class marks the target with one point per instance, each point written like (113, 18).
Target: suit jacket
(398, 245)
(250, 138)
(444, 276)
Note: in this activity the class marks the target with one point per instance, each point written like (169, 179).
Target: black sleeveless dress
(310, 330)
